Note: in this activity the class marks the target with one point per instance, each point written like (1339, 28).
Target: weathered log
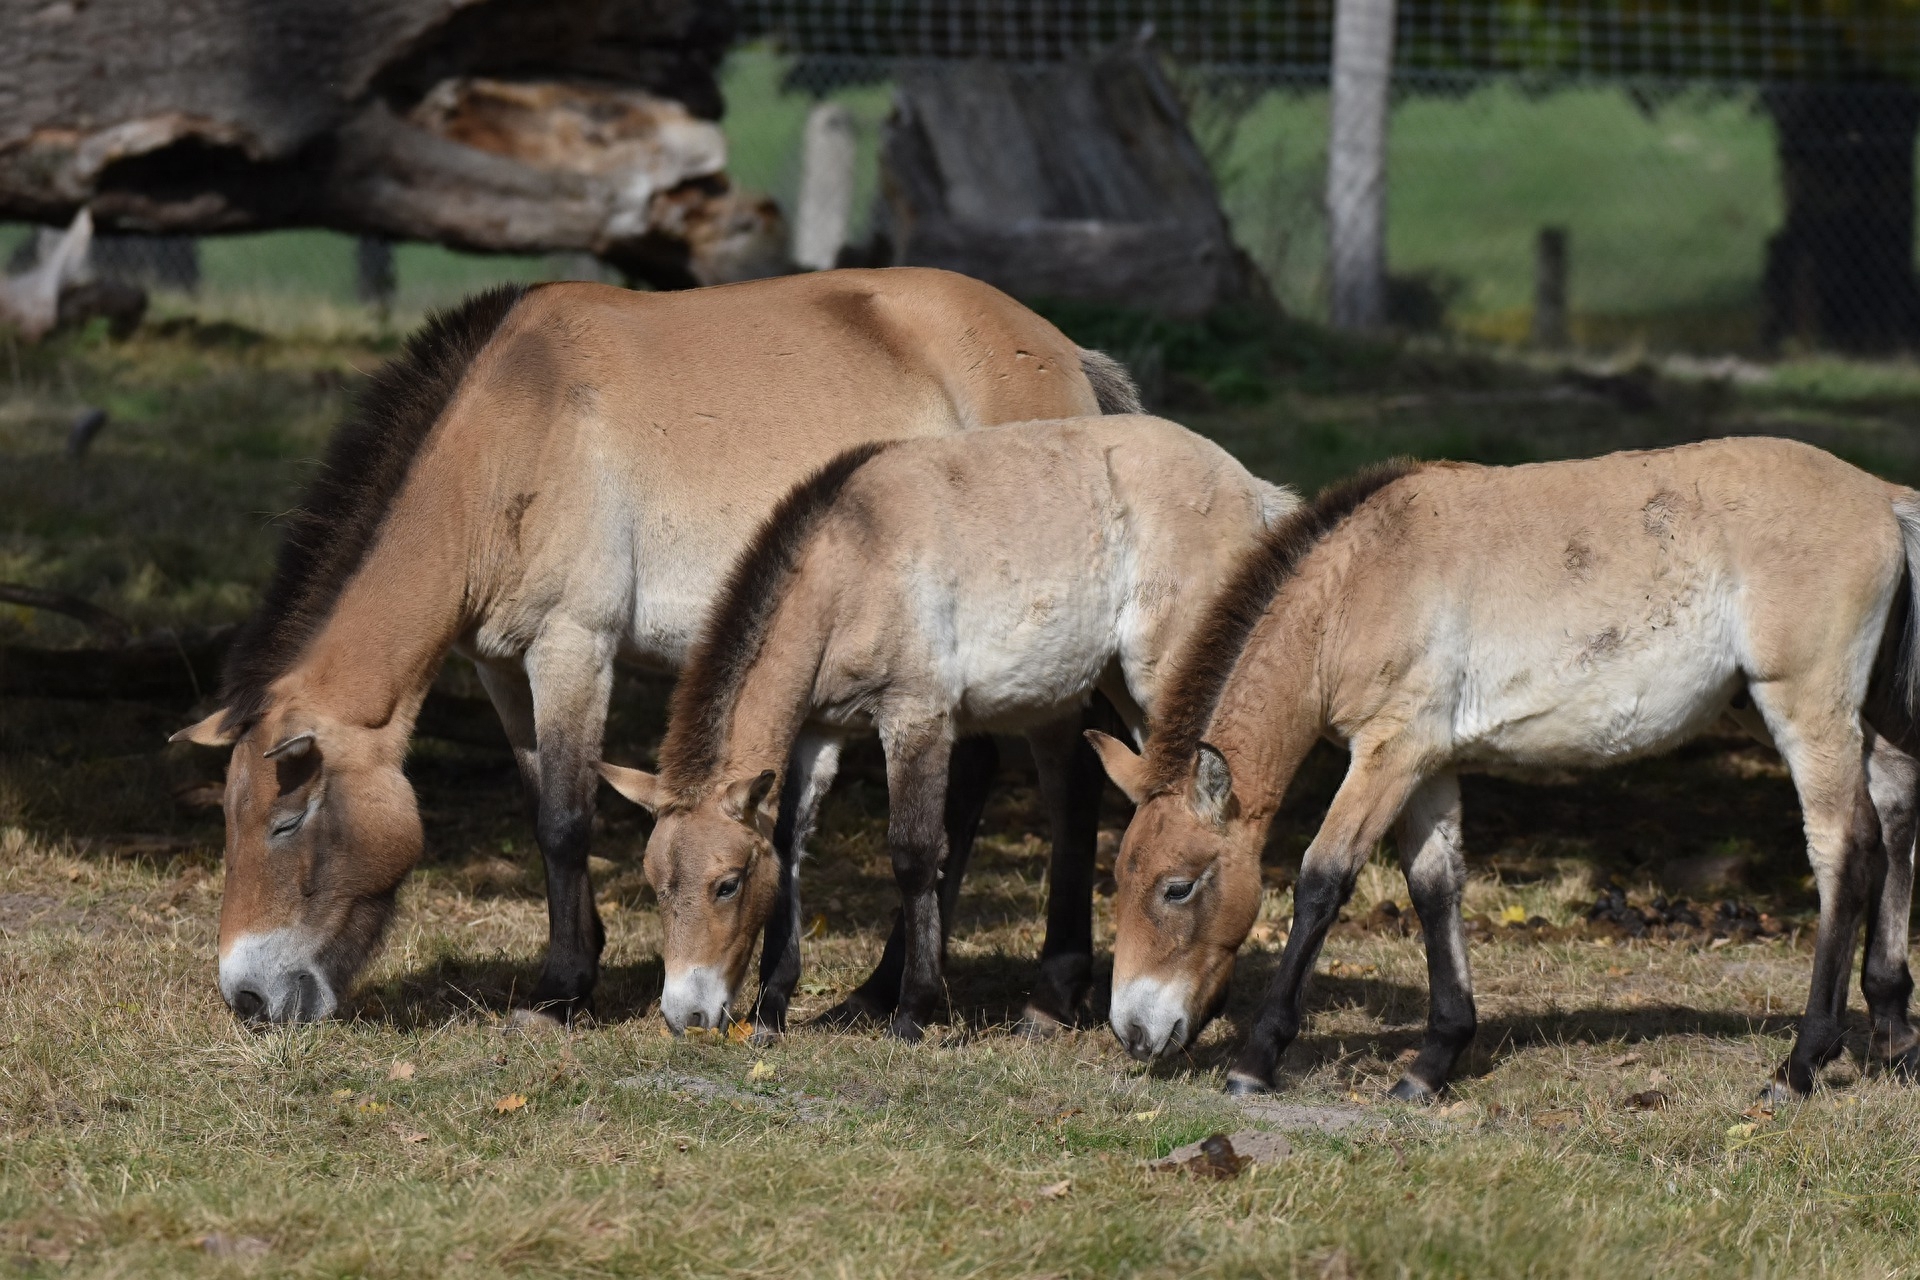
(509, 125)
(1076, 181)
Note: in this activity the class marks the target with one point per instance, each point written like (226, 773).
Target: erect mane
(1201, 675)
(367, 460)
(704, 698)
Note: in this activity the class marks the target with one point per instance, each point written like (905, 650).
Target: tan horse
(925, 591)
(1442, 618)
(550, 478)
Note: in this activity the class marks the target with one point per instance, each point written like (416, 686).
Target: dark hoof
(850, 1012)
(906, 1030)
(1409, 1089)
(764, 1035)
(1905, 1067)
(1245, 1086)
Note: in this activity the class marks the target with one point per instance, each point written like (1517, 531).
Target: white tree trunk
(1357, 163)
(826, 186)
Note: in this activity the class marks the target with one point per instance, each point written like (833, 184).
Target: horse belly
(1010, 673)
(1594, 711)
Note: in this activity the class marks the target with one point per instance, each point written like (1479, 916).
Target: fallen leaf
(1648, 1100)
(761, 1070)
(1624, 1060)
(372, 1107)
(342, 1094)
(400, 1071)
(512, 1102)
(1514, 914)
(816, 927)
(1054, 1190)
(407, 1135)
(1761, 1111)
(739, 1032)
(1741, 1130)
(1554, 1120)
(1144, 1116)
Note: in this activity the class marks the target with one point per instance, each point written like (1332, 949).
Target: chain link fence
(1712, 175)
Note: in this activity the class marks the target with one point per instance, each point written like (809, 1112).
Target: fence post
(1357, 163)
(826, 187)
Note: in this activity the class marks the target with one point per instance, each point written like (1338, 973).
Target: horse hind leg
(1826, 753)
(1893, 780)
(1435, 866)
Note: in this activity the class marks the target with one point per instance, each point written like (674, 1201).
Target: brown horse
(1442, 618)
(548, 479)
(925, 591)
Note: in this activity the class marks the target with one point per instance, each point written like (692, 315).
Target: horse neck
(776, 696)
(374, 657)
(1273, 708)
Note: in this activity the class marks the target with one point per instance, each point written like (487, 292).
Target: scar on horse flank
(704, 697)
(330, 532)
(1187, 706)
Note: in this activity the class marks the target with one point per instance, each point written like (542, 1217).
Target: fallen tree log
(500, 125)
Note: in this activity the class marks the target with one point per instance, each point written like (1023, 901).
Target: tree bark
(507, 125)
(1071, 181)
(1840, 271)
(1357, 163)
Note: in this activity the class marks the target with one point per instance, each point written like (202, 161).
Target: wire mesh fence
(1715, 174)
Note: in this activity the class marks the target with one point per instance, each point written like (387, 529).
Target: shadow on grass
(454, 988)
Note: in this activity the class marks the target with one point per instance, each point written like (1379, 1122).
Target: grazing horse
(548, 479)
(924, 591)
(1445, 617)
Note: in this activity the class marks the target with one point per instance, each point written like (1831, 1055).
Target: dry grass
(142, 1131)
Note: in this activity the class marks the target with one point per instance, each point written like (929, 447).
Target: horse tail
(1113, 387)
(1906, 509)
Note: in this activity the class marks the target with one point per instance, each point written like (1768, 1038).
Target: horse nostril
(249, 1005)
(696, 1019)
(1178, 1039)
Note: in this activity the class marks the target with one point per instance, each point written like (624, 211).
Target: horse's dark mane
(704, 698)
(367, 461)
(1201, 675)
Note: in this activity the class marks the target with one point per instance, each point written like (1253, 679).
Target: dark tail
(1906, 509)
(1113, 386)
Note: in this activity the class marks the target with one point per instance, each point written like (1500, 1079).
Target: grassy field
(146, 1133)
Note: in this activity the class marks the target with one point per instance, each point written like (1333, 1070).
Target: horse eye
(726, 888)
(287, 826)
(1179, 890)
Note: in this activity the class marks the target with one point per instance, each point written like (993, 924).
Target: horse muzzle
(1149, 1017)
(696, 997)
(275, 977)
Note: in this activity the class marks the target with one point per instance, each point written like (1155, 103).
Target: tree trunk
(1357, 163)
(505, 125)
(1840, 272)
(1073, 181)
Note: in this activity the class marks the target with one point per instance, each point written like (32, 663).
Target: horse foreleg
(969, 777)
(570, 673)
(1893, 780)
(1436, 870)
(1363, 811)
(810, 771)
(1070, 782)
(917, 758)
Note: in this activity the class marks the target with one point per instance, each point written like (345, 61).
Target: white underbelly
(1598, 709)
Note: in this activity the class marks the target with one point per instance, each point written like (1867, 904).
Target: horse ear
(1127, 769)
(642, 788)
(210, 732)
(291, 748)
(746, 800)
(1212, 796)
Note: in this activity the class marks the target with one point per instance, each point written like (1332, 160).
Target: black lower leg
(1066, 958)
(575, 936)
(780, 946)
(1317, 899)
(1823, 1026)
(1450, 1013)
